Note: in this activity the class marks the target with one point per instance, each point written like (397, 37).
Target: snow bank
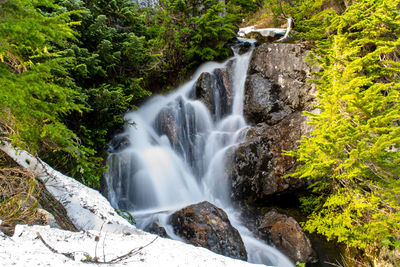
(87, 208)
(26, 249)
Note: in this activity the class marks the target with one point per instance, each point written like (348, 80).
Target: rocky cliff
(278, 90)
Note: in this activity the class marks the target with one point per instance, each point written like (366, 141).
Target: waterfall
(173, 153)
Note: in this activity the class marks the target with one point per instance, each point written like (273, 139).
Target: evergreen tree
(36, 91)
(353, 154)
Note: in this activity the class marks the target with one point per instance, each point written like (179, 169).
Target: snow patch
(264, 32)
(26, 249)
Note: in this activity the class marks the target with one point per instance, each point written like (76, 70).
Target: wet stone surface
(208, 226)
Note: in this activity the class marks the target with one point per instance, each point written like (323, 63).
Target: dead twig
(131, 253)
(68, 255)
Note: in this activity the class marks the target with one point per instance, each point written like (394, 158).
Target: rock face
(215, 91)
(208, 226)
(286, 234)
(276, 93)
(286, 67)
(258, 164)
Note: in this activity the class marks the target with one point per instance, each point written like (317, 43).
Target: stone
(166, 124)
(203, 90)
(118, 143)
(46, 218)
(261, 99)
(257, 165)
(267, 37)
(242, 47)
(215, 90)
(287, 66)
(208, 226)
(285, 233)
(156, 229)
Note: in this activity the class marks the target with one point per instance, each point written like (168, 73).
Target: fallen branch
(289, 27)
(131, 253)
(68, 255)
(118, 259)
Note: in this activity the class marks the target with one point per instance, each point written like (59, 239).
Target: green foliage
(35, 94)
(126, 215)
(110, 61)
(190, 32)
(353, 156)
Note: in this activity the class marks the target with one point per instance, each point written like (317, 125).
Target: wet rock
(224, 91)
(156, 229)
(118, 143)
(242, 47)
(203, 90)
(208, 226)
(257, 165)
(166, 123)
(285, 233)
(287, 66)
(215, 90)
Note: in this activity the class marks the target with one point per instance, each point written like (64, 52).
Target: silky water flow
(172, 154)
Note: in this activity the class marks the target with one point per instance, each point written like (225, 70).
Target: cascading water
(176, 149)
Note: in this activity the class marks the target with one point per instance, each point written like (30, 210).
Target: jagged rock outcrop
(285, 233)
(277, 91)
(208, 226)
(258, 165)
(283, 70)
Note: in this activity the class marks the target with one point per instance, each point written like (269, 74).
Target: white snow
(264, 32)
(25, 249)
(269, 31)
(93, 215)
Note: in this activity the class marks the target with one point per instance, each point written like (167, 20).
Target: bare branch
(289, 27)
(68, 255)
(130, 253)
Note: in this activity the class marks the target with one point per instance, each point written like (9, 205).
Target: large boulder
(278, 83)
(285, 233)
(208, 226)
(257, 164)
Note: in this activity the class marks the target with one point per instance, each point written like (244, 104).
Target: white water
(157, 175)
